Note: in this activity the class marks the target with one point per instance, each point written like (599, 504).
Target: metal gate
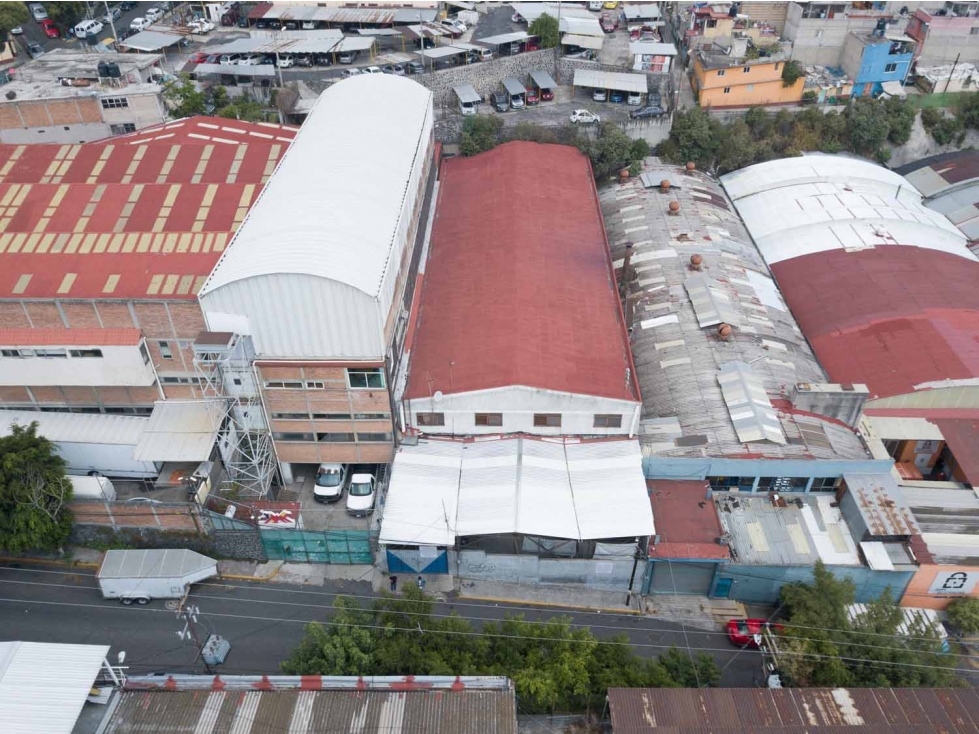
(318, 546)
(679, 577)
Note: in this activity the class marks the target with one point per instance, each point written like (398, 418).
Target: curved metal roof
(332, 207)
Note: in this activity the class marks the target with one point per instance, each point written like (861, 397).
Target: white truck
(139, 576)
(92, 488)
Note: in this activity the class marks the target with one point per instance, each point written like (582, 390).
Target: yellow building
(720, 80)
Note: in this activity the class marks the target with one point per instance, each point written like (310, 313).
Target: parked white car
(584, 117)
(361, 495)
(200, 27)
(140, 24)
(373, 70)
(154, 14)
(254, 60)
(330, 479)
(285, 62)
(635, 99)
(347, 73)
(88, 28)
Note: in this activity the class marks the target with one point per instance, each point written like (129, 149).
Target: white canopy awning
(592, 42)
(151, 40)
(180, 430)
(442, 490)
(894, 89)
(611, 80)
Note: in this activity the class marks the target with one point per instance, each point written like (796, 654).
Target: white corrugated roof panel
(488, 488)
(442, 52)
(610, 494)
(43, 686)
(467, 93)
(180, 430)
(235, 69)
(151, 40)
(503, 38)
(592, 42)
(751, 411)
(649, 48)
(120, 430)
(354, 43)
(711, 304)
(876, 555)
(333, 211)
(582, 26)
(545, 503)
(642, 11)
(611, 80)
(420, 508)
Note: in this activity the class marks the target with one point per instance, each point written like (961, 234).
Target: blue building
(873, 60)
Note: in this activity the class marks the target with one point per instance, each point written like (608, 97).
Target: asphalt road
(33, 32)
(264, 622)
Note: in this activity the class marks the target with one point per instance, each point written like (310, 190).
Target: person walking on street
(421, 584)
(394, 583)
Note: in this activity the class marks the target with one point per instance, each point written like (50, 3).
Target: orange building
(722, 80)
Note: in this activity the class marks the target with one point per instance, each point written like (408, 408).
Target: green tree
(686, 671)
(33, 493)
(479, 134)
(868, 126)
(968, 110)
(900, 115)
(183, 98)
(696, 136)
(344, 648)
(246, 108)
(65, 14)
(737, 148)
(12, 15)
(964, 615)
(792, 71)
(545, 27)
(930, 116)
(946, 130)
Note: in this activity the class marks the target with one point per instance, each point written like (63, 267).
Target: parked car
(608, 23)
(600, 95)
(88, 28)
(361, 495)
(517, 101)
(268, 60)
(253, 60)
(595, 6)
(500, 101)
(229, 58)
(373, 70)
(546, 94)
(16, 31)
(584, 117)
(111, 15)
(127, 6)
(49, 28)
(139, 24)
(198, 57)
(34, 50)
(322, 60)
(616, 96)
(415, 67)
(38, 12)
(635, 99)
(330, 480)
(647, 111)
(347, 57)
(213, 59)
(396, 69)
(531, 97)
(302, 60)
(449, 27)
(347, 73)
(747, 632)
(611, 5)
(200, 26)
(154, 14)
(285, 62)
(467, 109)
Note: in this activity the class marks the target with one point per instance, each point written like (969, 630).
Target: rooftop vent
(674, 207)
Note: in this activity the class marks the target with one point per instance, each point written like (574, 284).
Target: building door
(723, 588)
(682, 577)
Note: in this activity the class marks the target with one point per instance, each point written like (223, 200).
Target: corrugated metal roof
(380, 118)
(543, 80)
(881, 504)
(949, 521)
(581, 26)
(43, 686)
(620, 81)
(503, 38)
(466, 93)
(123, 564)
(151, 40)
(794, 710)
(235, 69)
(119, 430)
(442, 490)
(649, 48)
(644, 11)
(915, 620)
(751, 411)
(514, 86)
(405, 706)
(712, 305)
(180, 430)
(593, 42)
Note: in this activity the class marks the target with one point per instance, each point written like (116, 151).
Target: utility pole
(189, 632)
(112, 21)
(949, 80)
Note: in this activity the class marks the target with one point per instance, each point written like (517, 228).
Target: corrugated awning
(467, 93)
(151, 40)
(592, 42)
(751, 411)
(514, 86)
(504, 38)
(235, 70)
(180, 430)
(442, 490)
(895, 89)
(649, 48)
(543, 80)
(611, 80)
(442, 52)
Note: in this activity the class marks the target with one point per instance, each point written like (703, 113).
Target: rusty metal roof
(313, 704)
(881, 504)
(794, 711)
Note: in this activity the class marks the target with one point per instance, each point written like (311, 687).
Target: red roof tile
(891, 317)
(519, 288)
(69, 337)
(208, 129)
(962, 437)
(686, 521)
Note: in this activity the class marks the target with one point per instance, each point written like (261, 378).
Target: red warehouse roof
(893, 318)
(687, 524)
(519, 288)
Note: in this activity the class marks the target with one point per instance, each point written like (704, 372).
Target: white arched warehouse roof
(333, 207)
(815, 203)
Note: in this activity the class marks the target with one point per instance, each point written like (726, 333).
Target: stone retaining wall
(487, 76)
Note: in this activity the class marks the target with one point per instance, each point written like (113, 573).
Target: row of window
(200, 381)
(541, 420)
(357, 379)
(128, 410)
(775, 484)
(334, 437)
(330, 416)
(50, 353)
(114, 103)
(122, 128)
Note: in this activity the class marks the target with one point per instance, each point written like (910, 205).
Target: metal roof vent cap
(696, 261)
(691, 166)
(674, 207)
(724, 331)
(664, 185)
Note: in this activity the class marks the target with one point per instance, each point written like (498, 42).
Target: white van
(94, 487)
(139, 24)
(467, 108)
(88, 28)
(330, 481)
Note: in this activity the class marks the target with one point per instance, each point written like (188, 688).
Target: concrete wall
(143, 110)
(821, 40)
(611, 575)
(762, 584)
(941, 40)
(917, 593)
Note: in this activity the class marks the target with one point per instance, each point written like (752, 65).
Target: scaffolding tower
(224, 364)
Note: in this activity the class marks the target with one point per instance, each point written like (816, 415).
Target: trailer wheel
(127, 601)
(143, 600)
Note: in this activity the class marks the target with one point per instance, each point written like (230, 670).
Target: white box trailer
(92, 488)
(143, 575)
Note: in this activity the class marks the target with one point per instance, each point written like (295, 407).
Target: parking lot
(329, 516)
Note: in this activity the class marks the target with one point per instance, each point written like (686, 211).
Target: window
(169, 380)
(284, 384)
(974, 31)
(365, 378)
(10, 353)
(890, 68)
(331, 416)
(314, 385)
(430, 419)
(489, 419)
(611, 420)
(335, 437)
(825, 484)
(747, 69)
(236, 381)
(123, 128)
(724, 484)
(374, 437)
(721, 72)
(293, 436)
(371, 416)
(290, 416)
(85, 352)
(114, 103)
(782, 484)
(146, 355)
(547, 420)
(59, 353)
(749, 88)
(777, 65)
(727, 90)
(165, 350)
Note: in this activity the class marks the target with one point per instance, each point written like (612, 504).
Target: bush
(479, 134)
(930, 117)
(792, 71)
(964, 615)
(946, 130)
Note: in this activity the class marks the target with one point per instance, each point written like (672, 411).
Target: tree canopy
(546, 28)
(66, 14)
(821, 646)
(554, 665)
(183, 98)
(12, 15)
(33, 493)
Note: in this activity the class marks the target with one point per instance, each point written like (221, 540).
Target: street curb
(524, 602)
(51, 562)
